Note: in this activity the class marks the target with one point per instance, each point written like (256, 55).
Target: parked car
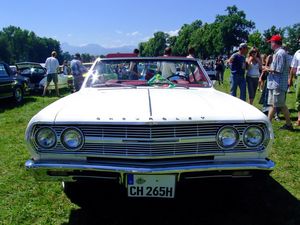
(209, 66)
(62, 82)
(145, 137)
(34, 71)
(11, 85)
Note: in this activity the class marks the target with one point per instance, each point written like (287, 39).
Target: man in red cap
(278, 81)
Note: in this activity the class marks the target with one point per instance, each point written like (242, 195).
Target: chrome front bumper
(70, 171)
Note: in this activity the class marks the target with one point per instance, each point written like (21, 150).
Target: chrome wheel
(18, 95)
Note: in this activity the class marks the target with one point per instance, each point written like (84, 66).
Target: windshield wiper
(113, 85)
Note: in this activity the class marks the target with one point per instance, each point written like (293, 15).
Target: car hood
(149, 105)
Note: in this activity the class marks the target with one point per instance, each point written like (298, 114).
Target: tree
(24, 45)
(293, 35)
(234, 28)
(206, 41)
(255, 39)
(5, 51)
(184, 37)
(154, 46)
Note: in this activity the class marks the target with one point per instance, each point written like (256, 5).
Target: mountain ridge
(95, 49)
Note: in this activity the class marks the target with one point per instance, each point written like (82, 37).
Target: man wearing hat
(237, 66)
(278, 81)
(51, 66)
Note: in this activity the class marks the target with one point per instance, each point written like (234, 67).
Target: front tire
(18, 95)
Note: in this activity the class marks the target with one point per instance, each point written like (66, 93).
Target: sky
(115, 23)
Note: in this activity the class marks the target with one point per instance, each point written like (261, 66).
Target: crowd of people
(76, 69)
(272, 74)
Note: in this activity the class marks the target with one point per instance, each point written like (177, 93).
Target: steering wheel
(180, 76)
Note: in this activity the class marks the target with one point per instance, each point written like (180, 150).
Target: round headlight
(253, 136)
(45, 137)
(72, 138)
(228, 137)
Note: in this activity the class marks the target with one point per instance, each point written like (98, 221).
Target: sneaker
(277, 118)
(287, 127)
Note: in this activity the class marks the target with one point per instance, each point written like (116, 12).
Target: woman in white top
(253, 73)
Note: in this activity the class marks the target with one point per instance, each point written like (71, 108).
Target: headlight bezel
(36, 137)
(237, 137)
(65, 146)
(262, 137)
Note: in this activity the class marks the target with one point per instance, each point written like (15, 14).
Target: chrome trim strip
(197, 139)
(39, 169)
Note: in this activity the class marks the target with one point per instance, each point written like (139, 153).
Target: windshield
(139, 72)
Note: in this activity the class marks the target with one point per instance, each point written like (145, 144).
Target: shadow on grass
(6, 104)
(233, 202)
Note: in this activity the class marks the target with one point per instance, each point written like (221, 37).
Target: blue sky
(114, 23)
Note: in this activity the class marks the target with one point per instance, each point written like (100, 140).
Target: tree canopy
(220, 37)
(18, 45)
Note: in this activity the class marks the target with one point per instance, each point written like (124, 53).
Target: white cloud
(173, 32)
(135, 33)
(146, 38)
(119, 31)
(69, 35)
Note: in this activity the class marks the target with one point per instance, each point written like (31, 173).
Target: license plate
(151, 186)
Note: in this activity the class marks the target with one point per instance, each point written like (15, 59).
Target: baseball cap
(276, 37)
(243, 45)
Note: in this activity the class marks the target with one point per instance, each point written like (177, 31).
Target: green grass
(26, 201)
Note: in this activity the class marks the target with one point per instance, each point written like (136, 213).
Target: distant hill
(95, 49)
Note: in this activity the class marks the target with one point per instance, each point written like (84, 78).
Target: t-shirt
(76, 67)
(280, 64)
(167, 69)
(51, 65)
(238, 64)
(219, 65)
(253, 70)
(296, 62)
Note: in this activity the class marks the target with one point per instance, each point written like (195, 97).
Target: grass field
(25, 201)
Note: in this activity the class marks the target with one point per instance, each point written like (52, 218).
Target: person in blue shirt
(237, 64)
(77, 69)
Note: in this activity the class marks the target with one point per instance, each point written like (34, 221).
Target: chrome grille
(137, 140)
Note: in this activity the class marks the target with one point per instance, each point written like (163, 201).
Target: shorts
(52, 76)
(276, 98)
(298, 94)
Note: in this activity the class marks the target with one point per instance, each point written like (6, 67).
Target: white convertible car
(142, 137)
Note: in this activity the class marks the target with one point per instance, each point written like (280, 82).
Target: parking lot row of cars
(27, 77)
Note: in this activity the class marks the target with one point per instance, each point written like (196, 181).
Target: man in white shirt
(52, 65)
(295, 70)
(167, 68)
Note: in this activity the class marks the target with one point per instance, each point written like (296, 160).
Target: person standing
(278, 81)
(77, 69)
(264, 79)
(253, 72)
(65, 68)
(295, 70)
(220, 69)
(51, 66)
(167, 69)
(191, 53)
(237, 66)
(133, 67)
